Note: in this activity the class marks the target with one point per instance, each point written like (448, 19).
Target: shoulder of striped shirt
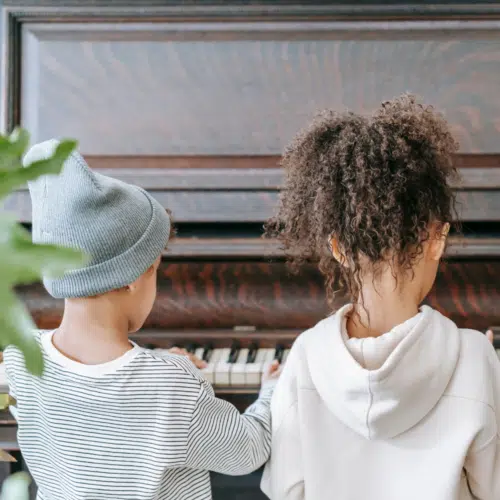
(180, 362)
(12, 350)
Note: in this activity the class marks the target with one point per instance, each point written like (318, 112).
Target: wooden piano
(195, 100)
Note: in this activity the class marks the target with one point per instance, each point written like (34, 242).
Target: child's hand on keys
(272, 373)
(199, 363)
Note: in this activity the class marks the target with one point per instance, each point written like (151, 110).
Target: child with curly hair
(386, 399)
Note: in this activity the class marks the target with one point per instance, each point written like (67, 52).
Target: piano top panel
(265, 72)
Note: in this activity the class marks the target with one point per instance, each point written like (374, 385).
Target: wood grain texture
(222, 295)
(254, 206)
(240, 172)
(136, 88)
(470, 247)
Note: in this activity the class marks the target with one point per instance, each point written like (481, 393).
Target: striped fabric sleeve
(223, 440)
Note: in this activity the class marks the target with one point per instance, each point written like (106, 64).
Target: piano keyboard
(233, 367)
(227, 367)
(230, 368)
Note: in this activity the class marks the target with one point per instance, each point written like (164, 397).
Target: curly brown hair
(375, 183)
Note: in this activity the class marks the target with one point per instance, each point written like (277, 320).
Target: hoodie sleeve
(483, 460)
(283, 477)
(223, 440)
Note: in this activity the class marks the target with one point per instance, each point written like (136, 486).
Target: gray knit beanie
(120, 227)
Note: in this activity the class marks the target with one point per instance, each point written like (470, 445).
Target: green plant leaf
(16, 328)
(22, 261)
(25, 261)
(11, 179)
(12, 149)
(16, 487)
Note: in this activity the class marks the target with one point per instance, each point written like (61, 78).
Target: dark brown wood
(52, 10)
(169, 113)
(174, 163)
(250, 172)
(281, 71)
(218, 338)
(463, 161)
(222, 295)
(189, 206)
(8, 437)
(185, 248)
(255, 206)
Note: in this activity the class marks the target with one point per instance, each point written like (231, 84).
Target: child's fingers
(275, 366)
(272, 372)
(178, 350)
(182, 352)
(199, 363)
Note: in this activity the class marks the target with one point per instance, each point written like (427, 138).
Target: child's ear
(336, 251)
(438, 241)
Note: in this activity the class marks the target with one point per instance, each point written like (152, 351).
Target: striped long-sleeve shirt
(144, 426)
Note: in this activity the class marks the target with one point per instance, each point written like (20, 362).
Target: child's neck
(92, 332)
(384, 308)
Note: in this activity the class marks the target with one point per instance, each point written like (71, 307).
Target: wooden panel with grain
(255, 206)
(222, 295)
(241, 173)
(459, 247)
(211, 88)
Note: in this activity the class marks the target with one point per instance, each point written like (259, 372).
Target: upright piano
(194, 101)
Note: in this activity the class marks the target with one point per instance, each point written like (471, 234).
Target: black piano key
(233, 355)
(252, 353)
(278, 355)
(207, 352)
(191, 348)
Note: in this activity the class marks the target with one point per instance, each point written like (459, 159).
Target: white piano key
(238, 369)
(199, 352)
(223, 368)
(268, 359)
(254, 370)
(209, 371)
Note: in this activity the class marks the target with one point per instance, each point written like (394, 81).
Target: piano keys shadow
(237, 487)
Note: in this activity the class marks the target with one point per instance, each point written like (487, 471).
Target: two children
(108, 419)
(384, 400)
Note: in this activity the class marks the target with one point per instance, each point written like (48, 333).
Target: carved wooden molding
(258, 248)
(219, 206)
(249, 173)
(236, 9)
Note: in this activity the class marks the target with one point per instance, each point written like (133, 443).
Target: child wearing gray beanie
(109, 419)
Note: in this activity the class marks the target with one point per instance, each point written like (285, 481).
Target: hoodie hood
(420, 360)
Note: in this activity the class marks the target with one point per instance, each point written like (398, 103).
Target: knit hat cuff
(120, 270)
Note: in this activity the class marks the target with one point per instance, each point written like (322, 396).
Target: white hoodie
(411, 415)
